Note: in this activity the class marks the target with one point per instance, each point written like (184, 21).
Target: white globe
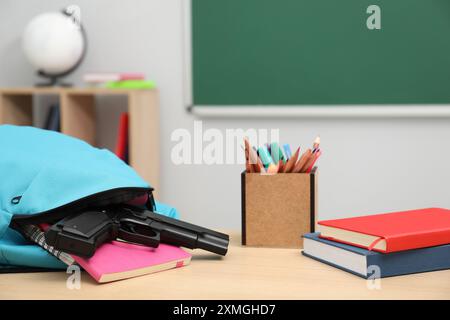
(53, 42)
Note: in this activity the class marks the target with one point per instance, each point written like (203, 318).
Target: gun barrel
(188, 235)
(183, 236)
(212, 243)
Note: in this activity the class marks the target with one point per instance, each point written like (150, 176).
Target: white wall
(368, 165)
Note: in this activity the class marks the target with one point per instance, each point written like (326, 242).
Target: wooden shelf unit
(78, 119)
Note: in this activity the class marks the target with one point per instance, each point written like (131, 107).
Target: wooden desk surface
(245, 273)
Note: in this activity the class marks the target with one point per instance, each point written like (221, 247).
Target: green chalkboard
(303, 52)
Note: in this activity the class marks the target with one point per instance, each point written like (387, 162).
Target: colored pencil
(316, 144)
(291, 162)
(308, 163)
(281, 165)
(302, 161)
(316, 156)
(248, 165)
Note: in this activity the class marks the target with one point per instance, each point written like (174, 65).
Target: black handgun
(81, 234)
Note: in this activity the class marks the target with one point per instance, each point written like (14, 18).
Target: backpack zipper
(113, 196)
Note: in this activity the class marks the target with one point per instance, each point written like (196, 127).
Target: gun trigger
(136, 238)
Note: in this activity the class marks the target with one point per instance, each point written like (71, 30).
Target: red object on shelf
(122, 137)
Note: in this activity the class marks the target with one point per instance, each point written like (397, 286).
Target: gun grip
(136, 238)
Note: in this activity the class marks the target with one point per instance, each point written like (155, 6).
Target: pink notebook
(118, 260)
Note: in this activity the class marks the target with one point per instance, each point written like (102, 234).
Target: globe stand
(54, 81)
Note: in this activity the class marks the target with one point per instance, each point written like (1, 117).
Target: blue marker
(268, 147)
(287, 151)
(277, 153)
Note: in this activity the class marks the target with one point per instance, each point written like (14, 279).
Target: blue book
(371, 264)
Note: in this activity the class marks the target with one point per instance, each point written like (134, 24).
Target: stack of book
(118, 80)
(384, 245)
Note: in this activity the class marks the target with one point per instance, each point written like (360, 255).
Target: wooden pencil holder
(278, 209)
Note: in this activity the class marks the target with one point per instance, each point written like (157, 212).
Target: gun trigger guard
(151, 241)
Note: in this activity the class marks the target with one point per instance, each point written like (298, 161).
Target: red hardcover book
(391, 232)
(122, 138)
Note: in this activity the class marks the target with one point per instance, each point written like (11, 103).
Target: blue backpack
(45, 176)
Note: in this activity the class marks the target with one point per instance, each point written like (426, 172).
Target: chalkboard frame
(283, 111)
